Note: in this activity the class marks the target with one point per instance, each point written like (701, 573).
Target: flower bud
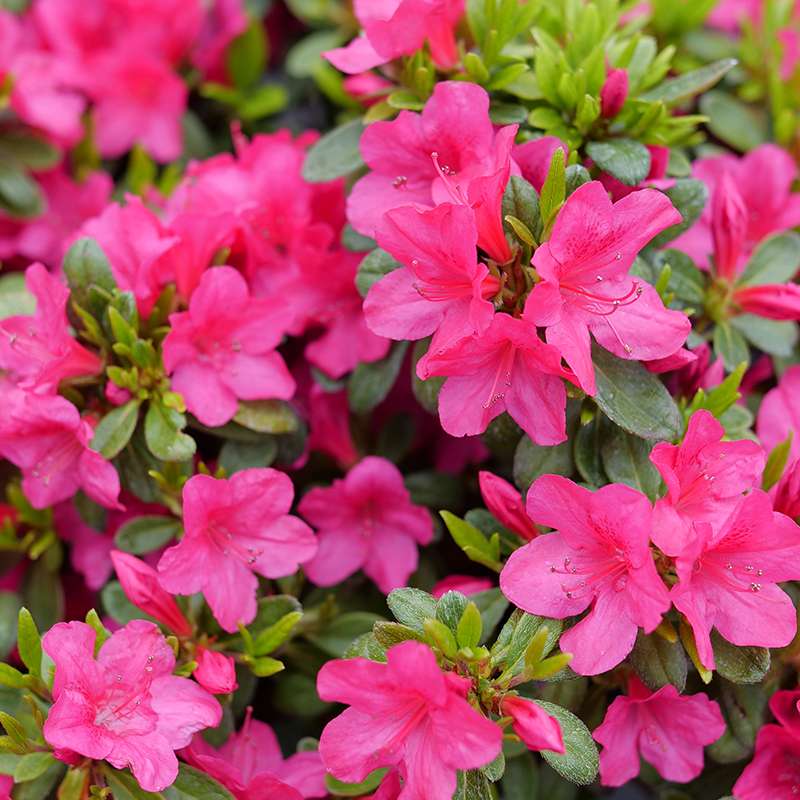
(614, 93)
(728, 226)
(215, 671)
(533, 724)
(504, 501)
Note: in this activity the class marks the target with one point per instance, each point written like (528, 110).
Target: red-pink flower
(234, 528)
(466, 584)
(223, 348)
(407, 712)
(705, 477)
(614, 93)
(224, 21)
(668, 729)
(779, 413)
(537, 729)
(586, 287)
(366, 521)
(534, 158)
(38, 352)
(140, 583)
(329, 423)
(774, 771)
(599, 556)
(729, 578)
(45, 436)
(448, 153)
(215, 671)
(394, 28)
(252, 766)
(508, 368)
(442, 288)
(126, 707)
(504, 501)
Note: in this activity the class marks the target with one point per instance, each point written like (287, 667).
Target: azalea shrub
(399, 399)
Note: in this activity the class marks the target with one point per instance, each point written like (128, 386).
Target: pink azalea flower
(329, 423)
(367, 87)
(763, 181)
(537, 729)
(45, 436)
(786, 494)
(779, 413)
(251, 762)
(394, 28)
(404, 712)
(614, 93)
(729, 576)
(223, 22)
(6, 785)
(133, 239)
(534, 158)
(223, 348)
(234, 528)
(442, 288)
(215, 671)
(705, 476)
(126, 707)
(366, 521)
(466, 584)
(586, 288)
(775, 770)
(656, 177)
(38, 352)
(728, 15)
(504, 501)
(599, 557)
(508, 368)
(669, 730)
(448, 153)
(141, 586)
(700, 373)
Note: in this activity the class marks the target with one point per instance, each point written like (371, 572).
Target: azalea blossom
(504, 501)
(235, 528)
(215, 671)
(366, 521)
(599, 557)
(465, 584)
(779, 413)
(533, 724)
(125, 707)
(667, 729)
(404, 712)
(586, 288)
(223, 348)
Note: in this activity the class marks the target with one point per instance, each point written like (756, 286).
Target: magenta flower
(508, 368)
(38, 352)
(466, 584)
(45, 436)
(140, 583)
(779, 413)
(669, 730)
(504, 501)
(251, 762)
(329, 423)
(394, 28)
(442, 288)
(449, 153)
(404, 712)
(534, 158)
(215, 672)
(775, 769)
(729, 576)
(126, 707)
(223, 348)
(366, 521)
(599, 556)
(614, 93)
(705, 476)
(533, 724)
(234, 528)
(586, 288)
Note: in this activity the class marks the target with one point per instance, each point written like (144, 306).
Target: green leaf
(741, 126)
(576, 175)
(146, 533)
(271, 638)
(492, 605)
(43, 594)
(15, 299)
(335, 154)
(75, 784)
(42, 786)
(246, 56)
(730, 346)
(339, 789)
(369, 384)
(427, 391)
(373, 267)
(192, 784)
(470, 627)
(162, 431)
(473, 785)
(580, 762)
(739, 664)
(29, 642)
(776, 463)
(388, 634)
(516, 635)
(659, 662)
(31, 766)
(678, 90)
(554, 190)
(474, 544)
(686, 281)
(117, 606)
(587, 454)
(776, 337)
(10, 604)
(262, 102)
(626, 459)
(337, 636)
(28, 150)
(86, 265)
(20, 195)
(625, 159)
(412, 607)
(11, 677)
(634, 398)
(532, 460)
(235, 456)
(521, 201)
(689, 196)
(115, 429)
(267, 416)
(775, 260)
(521, 779)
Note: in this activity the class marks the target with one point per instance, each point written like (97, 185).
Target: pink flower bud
(116, 395)
(728, 226)
(533, 724)
(140, 584)
(614, 93)
(505, 502)
(466, 584)
(215, 671)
